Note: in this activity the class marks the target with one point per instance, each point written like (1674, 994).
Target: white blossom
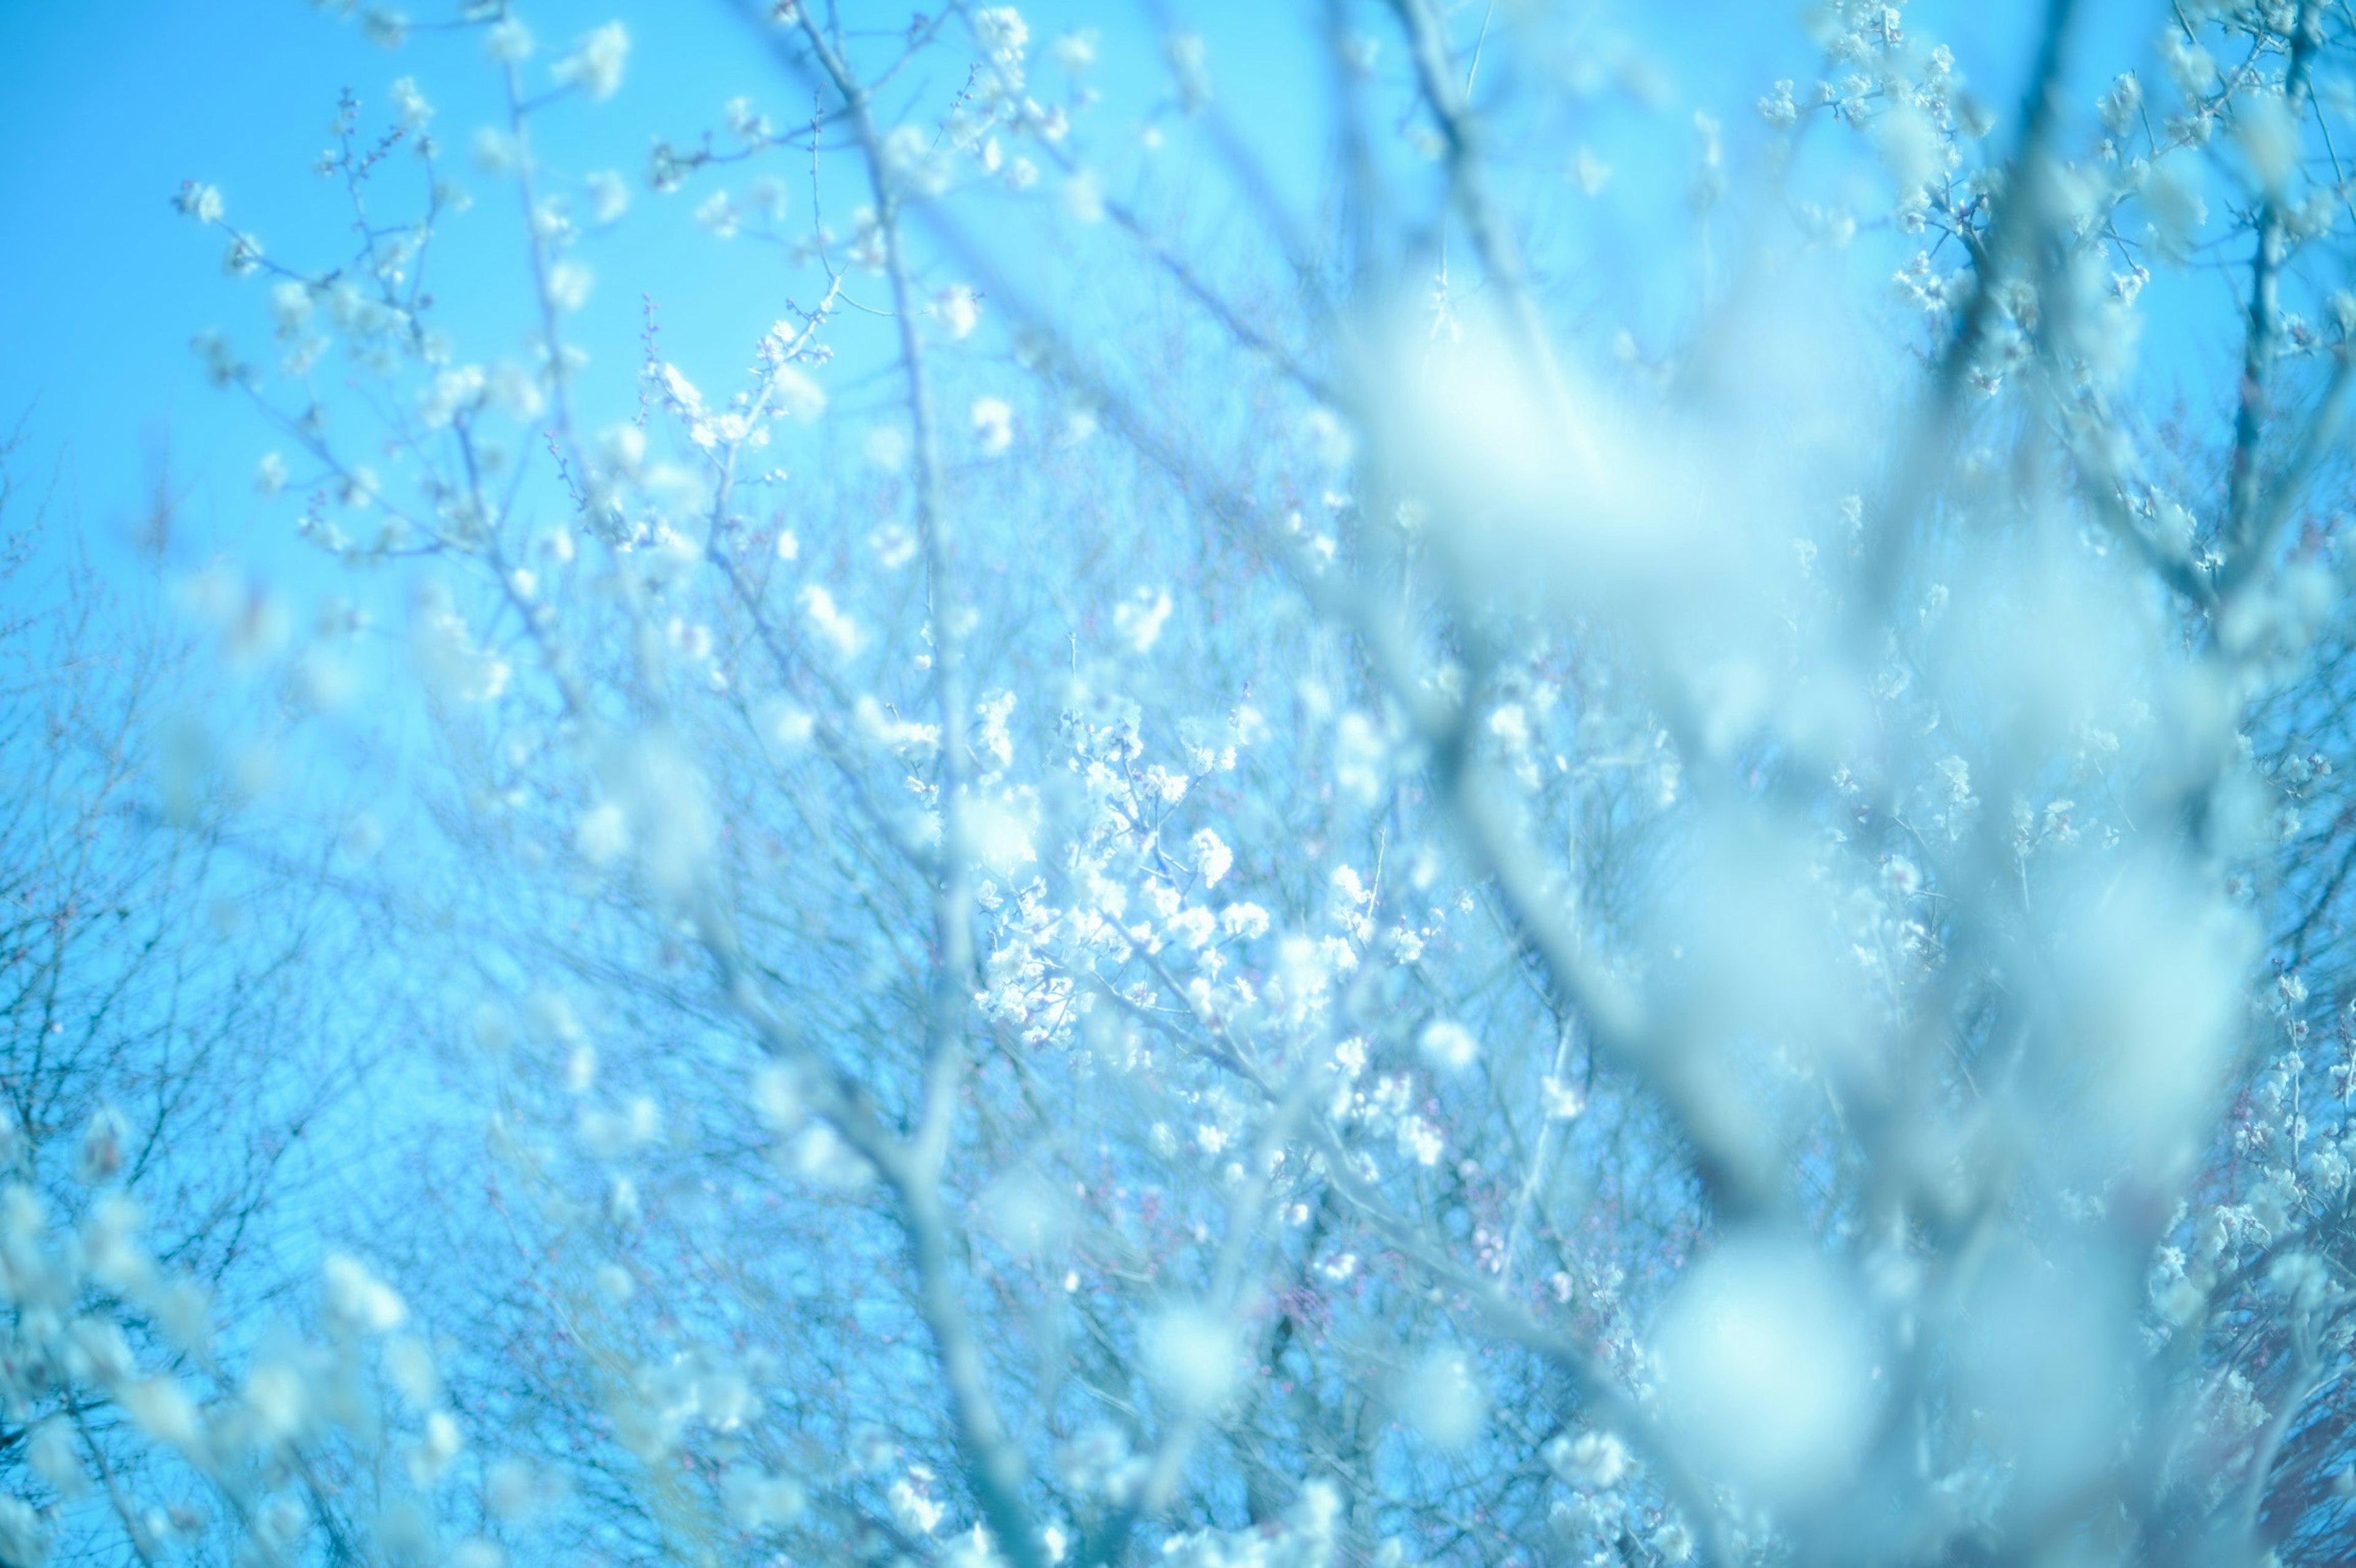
(596, 64)
(993, 425)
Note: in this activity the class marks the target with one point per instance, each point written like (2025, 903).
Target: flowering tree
(1205, 878)
(163, 1051)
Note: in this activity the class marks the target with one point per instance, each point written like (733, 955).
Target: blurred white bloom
(2119, 106)
(999, 835)
(1027, 1214)
(2302, 1277)
(798, 396)
(718, 214)
(622, 1208)
(185, 1315)
(164, 1410)
(551, 1018)
(1510, 722)
(1442, 1399)
(1910, 145)
(431, 1454)
(788, 724)
(385, 28)
(1765, 1369)
(1671, 521)
(908, 737)
(1563, 1100)
(974, 1549)
(495, 150)
(1185, 53)
(1361, 758)
(595, 65)
(568, 285)
(886, 448)
(1191, 928)
(917, 162)
(100, 1158)
(512, 1492)
(2144, 1010)
(359, 1298)
(830, 623)
(53, 1458)
(821, 1157)
(624, 447)
(98, 1350)
(2268, 134)
(277, 1399)
(643, 1121)
(913, 1506)
(993, 425)
(23, 1535)
(1334, 441)
(410, 104)
(758, 1501)
(1595, 1460)
(1000, 31)
(515, 391)
(1448, 1045)
(1192, 1357)
(959, 310)
(290, 307)
(2045, 1367)
(453, 667)
(2172, 200)
(510, 41)
(609, 195)
(201, 202)
(450, 394)
(665, 802)
(111, 1246)
(604, 834)
(778, 1096)
(1140, 618)
(682, 391)
(409, 1361)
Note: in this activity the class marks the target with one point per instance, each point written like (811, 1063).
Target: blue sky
(105, 110)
